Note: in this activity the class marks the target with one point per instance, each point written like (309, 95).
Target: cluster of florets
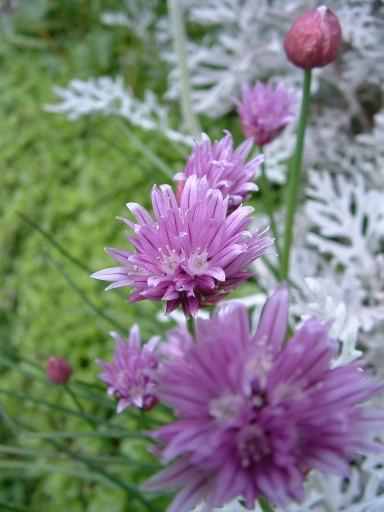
(254, 413)
(265, 111)
(224, 167)
(130, 376)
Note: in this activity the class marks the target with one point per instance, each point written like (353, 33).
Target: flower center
(198, 263)
(221, 167)
(252, 445)
(226, 408)
(256, 373)
(170, 261)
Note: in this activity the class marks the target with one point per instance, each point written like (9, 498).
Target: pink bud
(314, 39)
(58, 370)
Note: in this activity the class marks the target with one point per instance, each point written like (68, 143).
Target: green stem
(19, 428)
(49, 405)
(95, 309)
(179, 42)
(295, 175)
(53, 242)
(191, 325)
(77, 403)
(265, 506)
(12, 508)
(268, 203)
(275, 271)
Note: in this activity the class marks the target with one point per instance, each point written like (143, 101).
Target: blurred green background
(67, 180)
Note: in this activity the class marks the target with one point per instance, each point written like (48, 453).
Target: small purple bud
(59, 371)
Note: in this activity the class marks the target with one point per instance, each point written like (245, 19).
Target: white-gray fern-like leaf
(348, 220)
(108, 96)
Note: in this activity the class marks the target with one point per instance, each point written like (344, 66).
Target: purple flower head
(265, 111)
(59, 371)
(130, 376)
(224, 167)
(178, 343)
(191, 252)
(254, 414)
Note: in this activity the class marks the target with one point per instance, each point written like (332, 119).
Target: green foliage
(71, 180)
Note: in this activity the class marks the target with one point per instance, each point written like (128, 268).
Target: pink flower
(130, 376)
(265, 111)
(314, 39)
(191, 253)
(224, 167)
(59, 371)
(254, 414)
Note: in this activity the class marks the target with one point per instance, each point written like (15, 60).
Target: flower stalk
(179, 42)
(190, 325)
(268, 202)
(264, 505)
(294, 178)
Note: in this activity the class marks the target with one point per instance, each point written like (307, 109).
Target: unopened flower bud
(59, 370)
(314, 39)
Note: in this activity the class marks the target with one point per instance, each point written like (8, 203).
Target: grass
(61, 186)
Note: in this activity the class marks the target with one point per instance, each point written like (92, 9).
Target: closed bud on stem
(314, 39)
(59, 371)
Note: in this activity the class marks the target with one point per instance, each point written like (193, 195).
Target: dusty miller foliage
(338, 261)
(108, 96)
